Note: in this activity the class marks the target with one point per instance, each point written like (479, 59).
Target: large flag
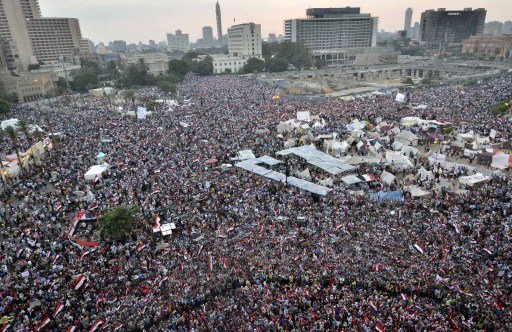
(79, 281)
(118, 327)
(140, 246)
(71, 329)
(45, 322)
(58, 308)
(96, 325)
(156, 224)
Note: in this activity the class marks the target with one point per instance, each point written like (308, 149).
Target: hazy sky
(141, 20)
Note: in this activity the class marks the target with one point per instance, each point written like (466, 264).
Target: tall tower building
(13, 31)
(408, 20)
(219, 22)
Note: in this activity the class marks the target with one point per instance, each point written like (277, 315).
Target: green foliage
(167, 86)
(191, 55)
(254, 65)
(269, 49)
(62, 86)
(84, 79)
(409, 81)
(471, 83)
(296, 53)
(137, 75)
(275, 65)
(5, 106)
(180, 68)
(203, 68)
(33, 67)
(113, 71)
(502, 107)
(320, 63)
(118, 223)
(151, 106)
(447, 130)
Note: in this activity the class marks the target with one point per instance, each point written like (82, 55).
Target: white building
(158, 63)
(329, 31)
(245, 40)
(178, 42)
(223, 63)
(53, 38)
(15, 41)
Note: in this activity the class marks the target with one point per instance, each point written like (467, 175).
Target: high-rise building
(219, 22)
(178, 42)
(208, 35)
(13, 31)
(440, 28)
(493, 28)
(29, 38)
(416, 31)
(333, 29)
(54, 38)
(408, 21)
(245, 40)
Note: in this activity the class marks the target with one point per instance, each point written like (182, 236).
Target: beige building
(13, 32)
(489, 45)
(28, 86)
(158, 63)
(53, 38)
(178, 42)
(245, 40)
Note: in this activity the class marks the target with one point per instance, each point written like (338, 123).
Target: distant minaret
(219, 22)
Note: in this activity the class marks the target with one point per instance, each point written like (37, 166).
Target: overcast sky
(141, 20)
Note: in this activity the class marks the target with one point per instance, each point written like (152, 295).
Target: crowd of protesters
(247, 253)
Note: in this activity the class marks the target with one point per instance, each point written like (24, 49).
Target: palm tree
(22, 126)
(54, 137)
(12, 134)
(129, 95)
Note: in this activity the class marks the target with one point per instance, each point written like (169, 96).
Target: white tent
(96, 171)
(305, 175)
(473, 179)
(407, 150)
(501, 161)
(416, 191)
(141, 113)
(9, 123)
(107, 91)
(425, 175)
(387, 177)
(407, 138)
(400, 97)
(398, 159)
(351, 179)
(245, 154)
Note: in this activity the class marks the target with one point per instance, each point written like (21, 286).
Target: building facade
(178, 42)
(158, 63)
(29, 86)
(245, 40)
(54, 38)
(16, 44)
(489, 46)
(408, 21)
(440, 28)
(330, 30)
(218, 16)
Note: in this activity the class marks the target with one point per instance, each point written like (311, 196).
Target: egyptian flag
(379, 327)
(79, 281)
(4, 327)
(58, 308)
(45, 322)
(369, 178)
(140, 246)
(71, 329)
(100, 299)
(156, 224)
(210, 263)
(118, 327)
(95, 326)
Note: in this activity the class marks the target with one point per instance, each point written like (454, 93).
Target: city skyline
(138, 20)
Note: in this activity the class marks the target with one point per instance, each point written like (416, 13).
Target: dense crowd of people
(248, 253)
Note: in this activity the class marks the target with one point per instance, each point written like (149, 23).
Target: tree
(113, 71)
(84, 79)
(275, 65)
(179, 68)
(204, 67)
(23, 127)
(129, 95)
(167, 86)
(268, 49)
(118, 223)
(254, 65)
(409, 81)
(11, 133)
(5, 106)
(136, 74)
(296, 53)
